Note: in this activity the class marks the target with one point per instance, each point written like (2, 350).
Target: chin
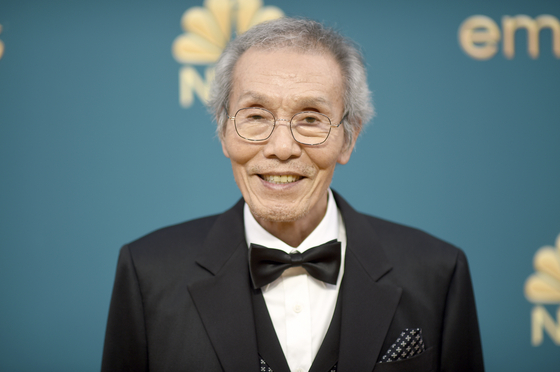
(278, 213)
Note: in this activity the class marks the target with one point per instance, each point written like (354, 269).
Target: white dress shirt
(300, 306)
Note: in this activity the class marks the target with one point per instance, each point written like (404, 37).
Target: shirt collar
(328, 229)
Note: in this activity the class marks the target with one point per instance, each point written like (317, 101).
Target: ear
(222, 136)
(224, 148)
(344, 156)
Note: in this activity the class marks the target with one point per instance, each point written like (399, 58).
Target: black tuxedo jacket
(182, 299)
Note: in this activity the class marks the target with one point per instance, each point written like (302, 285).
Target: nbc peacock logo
(208, 29)
(543, 288)
(1, 45)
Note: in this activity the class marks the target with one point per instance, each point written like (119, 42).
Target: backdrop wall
(101, 143)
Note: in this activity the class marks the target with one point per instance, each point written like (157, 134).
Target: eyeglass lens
(257, 125)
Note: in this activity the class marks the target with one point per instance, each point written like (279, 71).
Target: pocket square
(410, 343)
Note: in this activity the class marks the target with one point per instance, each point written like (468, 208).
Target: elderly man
(291, 278)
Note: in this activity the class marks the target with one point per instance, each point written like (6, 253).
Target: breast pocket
(419, 363)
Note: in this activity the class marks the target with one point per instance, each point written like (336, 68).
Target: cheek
(237, 150)
(325, 162)
(241, 154)
(325, 158)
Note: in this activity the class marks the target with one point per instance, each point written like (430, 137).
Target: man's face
(282, 180)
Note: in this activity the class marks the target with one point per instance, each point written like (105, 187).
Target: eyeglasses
(307, 127)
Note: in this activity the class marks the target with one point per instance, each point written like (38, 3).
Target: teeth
(281, 179)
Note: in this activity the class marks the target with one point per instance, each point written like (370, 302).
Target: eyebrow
(313, 102)
(254, 96)
(304, 102)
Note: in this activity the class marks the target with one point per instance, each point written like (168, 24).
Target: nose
(281, 144)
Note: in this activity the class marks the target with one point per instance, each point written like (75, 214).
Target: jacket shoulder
(171, 246)
(405, 244)
(190, 231)
(403, 234)
(400, 243)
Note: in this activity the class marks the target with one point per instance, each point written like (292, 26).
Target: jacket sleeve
(461, 349)
(125, 347)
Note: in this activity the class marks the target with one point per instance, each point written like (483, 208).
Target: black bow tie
(321, 262)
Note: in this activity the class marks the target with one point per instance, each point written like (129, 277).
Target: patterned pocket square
(410, 343)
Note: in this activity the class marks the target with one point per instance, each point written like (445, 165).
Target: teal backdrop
(96, 150)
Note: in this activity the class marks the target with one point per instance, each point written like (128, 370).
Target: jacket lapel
(223, 299)
(368, 306)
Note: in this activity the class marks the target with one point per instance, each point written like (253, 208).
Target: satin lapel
(223, 300)
(368, 305)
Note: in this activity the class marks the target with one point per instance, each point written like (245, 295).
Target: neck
(294, 233)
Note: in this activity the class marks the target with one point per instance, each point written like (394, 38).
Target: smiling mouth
(279, 180)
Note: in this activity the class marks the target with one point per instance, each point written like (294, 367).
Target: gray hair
(305, 35)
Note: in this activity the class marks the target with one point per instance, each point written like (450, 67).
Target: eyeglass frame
(290, 124)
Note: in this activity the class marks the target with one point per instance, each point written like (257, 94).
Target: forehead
(287, 75)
